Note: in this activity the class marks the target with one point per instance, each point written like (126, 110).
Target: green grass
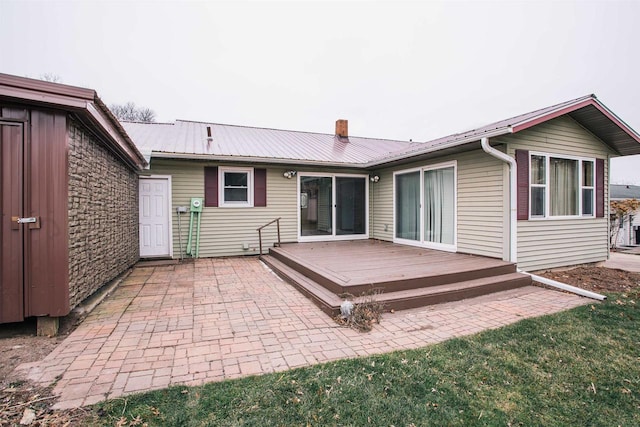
(576, 368)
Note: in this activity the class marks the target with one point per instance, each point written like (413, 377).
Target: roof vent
(342, 128)
(209, 137)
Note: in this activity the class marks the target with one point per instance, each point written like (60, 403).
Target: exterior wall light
(374, 178)
(289, 174)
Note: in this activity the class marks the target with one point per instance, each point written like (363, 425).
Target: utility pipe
(513, 196)
(565, 287)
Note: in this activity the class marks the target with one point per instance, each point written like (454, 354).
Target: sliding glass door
(332, 207)
(425, 206)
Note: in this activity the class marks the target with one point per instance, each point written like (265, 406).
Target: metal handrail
(259, 230)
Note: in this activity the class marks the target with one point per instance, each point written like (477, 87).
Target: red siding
(47, 255)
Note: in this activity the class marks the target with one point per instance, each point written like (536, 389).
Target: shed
(69, 199)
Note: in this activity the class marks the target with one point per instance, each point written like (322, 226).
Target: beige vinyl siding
(549, 243)
(480, 202)
(224, 230)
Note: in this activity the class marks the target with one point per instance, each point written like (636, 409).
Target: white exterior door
(155, 218)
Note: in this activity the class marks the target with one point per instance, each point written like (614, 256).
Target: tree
(50, 77)
(621, 212)
(133, 113)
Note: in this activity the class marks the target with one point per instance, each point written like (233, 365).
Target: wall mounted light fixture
(289, 174)
(374, 178)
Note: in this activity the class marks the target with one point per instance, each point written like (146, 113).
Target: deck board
(371, 261)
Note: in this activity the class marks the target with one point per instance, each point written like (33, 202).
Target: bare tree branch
(130, 112)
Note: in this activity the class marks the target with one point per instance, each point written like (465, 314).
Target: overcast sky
(399, 70)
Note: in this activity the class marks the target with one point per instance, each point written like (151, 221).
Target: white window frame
(547, 193)
(422, 243)
(235, 204)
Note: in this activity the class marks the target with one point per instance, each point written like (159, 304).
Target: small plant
(366, 311)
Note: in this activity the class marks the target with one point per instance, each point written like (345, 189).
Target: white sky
(397, 70)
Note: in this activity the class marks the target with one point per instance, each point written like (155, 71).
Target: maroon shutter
(600, 188)
(259, 187)
(522, 159)
(211, 186)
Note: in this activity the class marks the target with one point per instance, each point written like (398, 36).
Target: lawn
(578, 368)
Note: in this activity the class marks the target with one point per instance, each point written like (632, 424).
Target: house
(629, 228)
(69, 199)
(531, 189)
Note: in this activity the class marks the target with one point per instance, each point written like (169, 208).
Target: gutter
(513, 196)
(513, 226)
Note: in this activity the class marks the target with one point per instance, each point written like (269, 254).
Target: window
(561, 186)
(235, 187)
(425, 206)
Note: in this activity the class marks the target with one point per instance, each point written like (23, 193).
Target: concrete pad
(623, 261)
(217, 319)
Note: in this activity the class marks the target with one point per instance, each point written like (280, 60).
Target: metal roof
(624, 191)
(186, 139)
(588, 111)
(84, 103)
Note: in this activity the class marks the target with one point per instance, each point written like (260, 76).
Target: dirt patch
(597, 279)
(19, 344)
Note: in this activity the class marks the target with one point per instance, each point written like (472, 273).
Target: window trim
(221, 187)
(422, 243)
(547, 196)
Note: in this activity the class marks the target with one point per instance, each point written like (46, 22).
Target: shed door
(154, 217)
(11, 233)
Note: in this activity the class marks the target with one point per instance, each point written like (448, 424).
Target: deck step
(330, 302)
(412, 298)
(321, 296)
(339, 284)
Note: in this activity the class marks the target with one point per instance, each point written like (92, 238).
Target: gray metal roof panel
(185, 137)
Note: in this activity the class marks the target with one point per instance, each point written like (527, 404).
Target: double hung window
(236, 185)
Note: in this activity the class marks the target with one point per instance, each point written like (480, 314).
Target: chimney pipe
(342, 128)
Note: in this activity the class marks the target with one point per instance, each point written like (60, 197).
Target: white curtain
(563, 177)
(439, 209)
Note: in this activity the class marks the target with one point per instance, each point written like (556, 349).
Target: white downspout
(513, 224)
(513, 196)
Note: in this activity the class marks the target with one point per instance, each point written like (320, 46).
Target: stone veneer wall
(103, 215)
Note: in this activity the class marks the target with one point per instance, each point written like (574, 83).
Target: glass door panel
(351, 207)
(408, 206)
(439, 205)
(316, 206)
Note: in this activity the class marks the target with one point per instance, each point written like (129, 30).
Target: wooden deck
(406, 276)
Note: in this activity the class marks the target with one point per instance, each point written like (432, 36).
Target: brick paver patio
(217, 319)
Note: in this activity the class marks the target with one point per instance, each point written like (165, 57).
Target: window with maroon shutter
(211, 186)
(235, 187)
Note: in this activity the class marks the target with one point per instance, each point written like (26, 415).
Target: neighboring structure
(68, 193)
(531, 189)
(628, 233)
